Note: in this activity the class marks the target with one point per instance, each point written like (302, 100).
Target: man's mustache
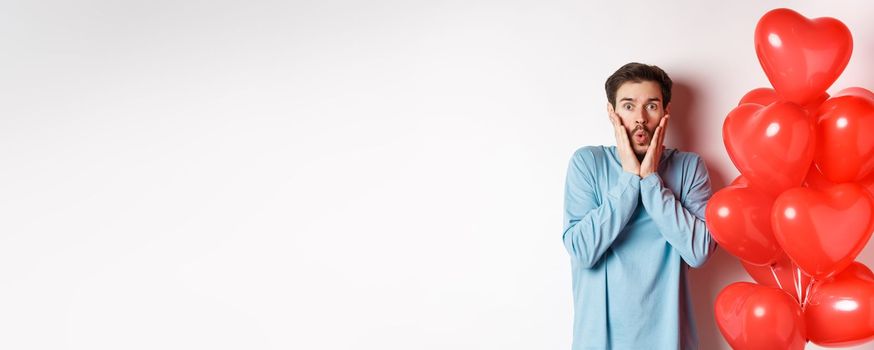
(639, 127)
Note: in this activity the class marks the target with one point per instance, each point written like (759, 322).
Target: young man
(633, 222)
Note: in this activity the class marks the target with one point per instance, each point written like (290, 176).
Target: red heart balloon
(856, 91)
(739, 181)
(759, 96)
(801, 57)
(840, 311)
(845, 145)
(786, 274)
(766, 96)
(739, 219)
(823, 231)
(750, 316)
(772, 146)
(817, 180)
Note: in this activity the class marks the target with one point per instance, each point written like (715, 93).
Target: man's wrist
(652, 178)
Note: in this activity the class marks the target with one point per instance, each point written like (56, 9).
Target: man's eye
(653, 107)
(628, 107)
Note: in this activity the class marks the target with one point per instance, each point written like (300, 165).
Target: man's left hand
(650, 162)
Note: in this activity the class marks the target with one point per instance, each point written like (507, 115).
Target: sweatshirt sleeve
(681, 222)
(591, 225)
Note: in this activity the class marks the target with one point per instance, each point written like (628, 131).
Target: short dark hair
(637, 73)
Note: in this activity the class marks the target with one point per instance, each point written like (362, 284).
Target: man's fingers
(665, 121)
(656, 138)
(622, 135)
(614, 118)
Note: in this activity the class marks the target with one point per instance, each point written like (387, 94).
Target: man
(633, 222)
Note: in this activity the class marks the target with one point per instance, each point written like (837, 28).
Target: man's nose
(640, 117)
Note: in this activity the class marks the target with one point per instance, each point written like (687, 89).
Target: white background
(333, 174)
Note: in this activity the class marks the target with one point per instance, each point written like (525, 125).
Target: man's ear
(668, 108)
(609, 108)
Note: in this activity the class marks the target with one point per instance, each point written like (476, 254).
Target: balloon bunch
(803, 207)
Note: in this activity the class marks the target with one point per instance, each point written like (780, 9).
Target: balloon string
(774, 273)
(797, 281)
(807, 294)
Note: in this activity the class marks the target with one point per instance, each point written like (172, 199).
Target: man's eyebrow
(648, 100)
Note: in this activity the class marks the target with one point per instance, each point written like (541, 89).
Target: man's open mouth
(640, 136)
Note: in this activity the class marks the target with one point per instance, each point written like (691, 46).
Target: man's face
(640, 108)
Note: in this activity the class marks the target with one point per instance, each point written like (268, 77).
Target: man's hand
(650, 163)
(623, 146)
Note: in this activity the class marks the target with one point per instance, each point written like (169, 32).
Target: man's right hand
(623, 146)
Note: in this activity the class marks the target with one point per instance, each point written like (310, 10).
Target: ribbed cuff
(651, 180)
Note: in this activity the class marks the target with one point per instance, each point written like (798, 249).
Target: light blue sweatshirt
(630, 241)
